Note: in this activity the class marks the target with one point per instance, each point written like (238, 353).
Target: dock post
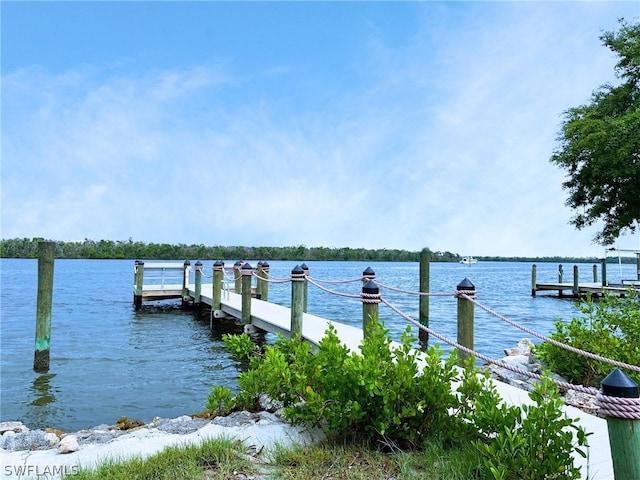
(265, 283)
(198, 290)
(595, 273)
(185, 283)
(425, 265)
(603, 262)
(218, 275)
(305, 288)
(237, 275)
(465, 317)
(370, 301)
(534, 281)
(297, 301)
(638, 265)
(560, 279)
(246, 274)
(576, 284)
(46, 254)
(623, 426)
(139, 278)
(259, 280)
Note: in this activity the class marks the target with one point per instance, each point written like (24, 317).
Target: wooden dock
(577, 289)
(275, 318)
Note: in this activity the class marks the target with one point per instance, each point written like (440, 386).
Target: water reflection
(41, 388)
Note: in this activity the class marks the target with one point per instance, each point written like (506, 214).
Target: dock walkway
(275, 318)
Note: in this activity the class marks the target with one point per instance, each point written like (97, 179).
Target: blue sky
(360, 124)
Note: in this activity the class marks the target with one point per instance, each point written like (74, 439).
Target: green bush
(609, 327)
(401, 397)
(532, 442)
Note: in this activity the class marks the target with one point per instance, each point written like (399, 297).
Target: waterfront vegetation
(136, 250)
(609, 327)
(399, 399)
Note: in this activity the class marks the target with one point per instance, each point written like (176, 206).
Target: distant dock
(577, 289)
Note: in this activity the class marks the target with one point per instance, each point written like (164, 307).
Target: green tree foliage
(600, 146)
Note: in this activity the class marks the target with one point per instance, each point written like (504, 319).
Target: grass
(226, 458)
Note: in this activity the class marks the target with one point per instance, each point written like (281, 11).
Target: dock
(256, 313)
(577, 289)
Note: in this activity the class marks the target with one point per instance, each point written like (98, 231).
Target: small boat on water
(469, 260)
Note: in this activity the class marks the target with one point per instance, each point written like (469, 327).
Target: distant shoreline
(130, 250)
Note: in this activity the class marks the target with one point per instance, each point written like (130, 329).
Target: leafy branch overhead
(599, 146)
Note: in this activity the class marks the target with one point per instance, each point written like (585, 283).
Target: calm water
(108, 360)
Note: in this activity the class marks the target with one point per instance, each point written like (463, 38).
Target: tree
(600, 146)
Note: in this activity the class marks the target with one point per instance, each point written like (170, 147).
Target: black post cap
(466, 285)
(218, 263)
(304, 266)
(368, 272)
(187, 262)
(265, 264)
(370, 287)
(247, 266)
(297, 270)
(618, 384)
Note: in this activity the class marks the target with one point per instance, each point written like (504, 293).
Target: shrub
(609, 327)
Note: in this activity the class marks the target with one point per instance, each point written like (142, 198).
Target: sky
(397, 125)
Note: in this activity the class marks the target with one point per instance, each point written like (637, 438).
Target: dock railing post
(237, 275)
(425, 264)
(265, 283)
(297, 301)
(139, 276)
(595, 273)
(198, 289)
(623, 426)
(576, 284)
(534, 281)
(638, 265)
(247, 275)
(465, 317)
(603, 262)
(370, 301)
(560, 273)
(46, 254)
(259, 280)
(218, 276)
(185, 282)
(305, 287)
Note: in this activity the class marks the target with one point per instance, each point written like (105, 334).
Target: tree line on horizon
(136, 250)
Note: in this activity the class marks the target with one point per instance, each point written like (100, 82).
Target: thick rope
(318, 280)
(619, 407)
(578, 351)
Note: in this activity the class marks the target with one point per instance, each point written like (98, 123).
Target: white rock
(15, 427)
(68, 444)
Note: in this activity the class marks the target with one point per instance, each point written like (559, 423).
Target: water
(109, 361)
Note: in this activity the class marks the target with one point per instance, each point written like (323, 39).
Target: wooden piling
(638, 265)
(576, 283)
(218, 277)
(265, 284)
(425, 264)
(197, 298)
(370, 301)
(560, 278)
(603, 262)
(185, 283)
(534, 281)
(305, 288)
(465, 318)
(46, 254)
(297, 301)
(259, 280)
(246, 275)
(237, 275)
(624, 433)
(139, 280)
(595, 273)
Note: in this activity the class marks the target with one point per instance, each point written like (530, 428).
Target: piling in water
(46, 252)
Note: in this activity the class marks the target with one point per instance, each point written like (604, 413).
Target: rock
(523, 348)
(15, 427)
(124, 423)
(68, 444)
(29, 440)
